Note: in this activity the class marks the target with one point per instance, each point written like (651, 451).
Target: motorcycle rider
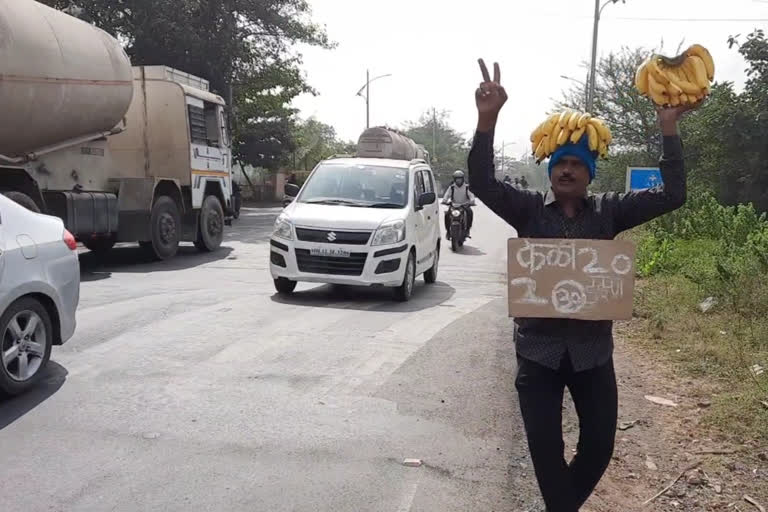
(459, 194)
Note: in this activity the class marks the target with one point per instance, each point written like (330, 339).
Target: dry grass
(719, 346)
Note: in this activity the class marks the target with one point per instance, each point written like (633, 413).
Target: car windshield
(347, 184)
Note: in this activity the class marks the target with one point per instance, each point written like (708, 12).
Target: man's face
(459, 181)
(570, 178)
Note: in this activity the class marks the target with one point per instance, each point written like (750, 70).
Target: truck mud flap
(85, 213)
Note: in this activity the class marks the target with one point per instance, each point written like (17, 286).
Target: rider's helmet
(458, 176)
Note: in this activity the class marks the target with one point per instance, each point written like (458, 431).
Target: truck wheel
(165, 224)
(99, 245)
(211, 231)
(26, 336)
(22, 199)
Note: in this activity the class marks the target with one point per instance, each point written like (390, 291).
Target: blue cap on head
(581, 151)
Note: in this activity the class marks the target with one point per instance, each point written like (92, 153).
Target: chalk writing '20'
(535, 256)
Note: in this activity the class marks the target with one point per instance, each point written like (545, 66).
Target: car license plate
(329, 252)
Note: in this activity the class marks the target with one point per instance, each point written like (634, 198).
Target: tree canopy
(724, 140)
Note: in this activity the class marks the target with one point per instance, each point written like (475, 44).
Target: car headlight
(283, 228)
(456, 213)
(390, 233)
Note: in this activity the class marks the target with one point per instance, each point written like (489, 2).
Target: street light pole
(503, 145)
(593, 64)
(367, 89)
(584, 84)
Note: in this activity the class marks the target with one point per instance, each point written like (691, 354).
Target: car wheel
(430, 276)
(27, 337)
(22, 199)
(404, 292)
(284, 286)
(211, 231)
(165, 224)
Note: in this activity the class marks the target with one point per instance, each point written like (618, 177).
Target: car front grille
(325, 236)
(352, 266)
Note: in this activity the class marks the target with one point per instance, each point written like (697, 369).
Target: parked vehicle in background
(120, 154)
(39, 292)
(360, 221)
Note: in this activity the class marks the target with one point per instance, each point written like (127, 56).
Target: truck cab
(120, 154)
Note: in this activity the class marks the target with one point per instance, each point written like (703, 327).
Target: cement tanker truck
(120, 154)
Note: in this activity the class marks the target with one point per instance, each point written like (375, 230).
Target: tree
(725, 149)
(316, 141)
(448, 149)
(245, 48)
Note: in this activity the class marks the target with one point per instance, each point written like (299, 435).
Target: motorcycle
(458, 228)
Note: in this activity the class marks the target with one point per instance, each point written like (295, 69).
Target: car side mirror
(291, 190)
(427, 198)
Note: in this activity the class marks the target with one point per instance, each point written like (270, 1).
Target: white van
(360, 221)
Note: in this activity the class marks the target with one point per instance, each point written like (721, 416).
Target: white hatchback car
(39, 292)
(360, 221)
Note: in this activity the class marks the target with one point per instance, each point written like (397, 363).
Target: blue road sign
(641, 178)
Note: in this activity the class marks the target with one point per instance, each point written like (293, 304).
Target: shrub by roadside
(706, 250)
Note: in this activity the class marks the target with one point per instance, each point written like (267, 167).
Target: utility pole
(593, 64)
(503, 145)
(434, 132)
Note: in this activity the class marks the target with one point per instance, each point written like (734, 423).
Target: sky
(431, 47)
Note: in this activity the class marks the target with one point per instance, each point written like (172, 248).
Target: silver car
(39, 292)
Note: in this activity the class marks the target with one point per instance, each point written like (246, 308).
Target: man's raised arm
(511, 204)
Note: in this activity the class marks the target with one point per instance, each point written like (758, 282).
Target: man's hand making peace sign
(489, 97)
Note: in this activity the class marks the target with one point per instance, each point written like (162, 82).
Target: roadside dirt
(660, 441)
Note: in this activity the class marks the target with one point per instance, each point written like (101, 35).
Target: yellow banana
(654, 70)
(683, 82)
(602, 148)
(705, 56)
(583, 118)
(563, 137)
(700, 71)
(577, 134)
(541, 149)
(684, 99)
(536, 132)
(602, 130)
(553, 136)
(573, 120)
(657, 92)
(594, 138)
(566, 114)
(673, 90)
(641, 78)
(674, 99)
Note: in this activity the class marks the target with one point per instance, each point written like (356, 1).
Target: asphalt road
(190, 386)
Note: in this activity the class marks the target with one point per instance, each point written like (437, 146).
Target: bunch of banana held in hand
(681, 80)
(566, 127)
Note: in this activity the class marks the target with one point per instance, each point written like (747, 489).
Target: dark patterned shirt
(535, 215)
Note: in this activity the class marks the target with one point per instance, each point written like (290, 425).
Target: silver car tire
(26, 339)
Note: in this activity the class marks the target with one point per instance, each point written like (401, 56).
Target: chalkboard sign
(567, 278)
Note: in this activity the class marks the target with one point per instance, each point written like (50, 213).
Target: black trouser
(470, 218)
(565, 487)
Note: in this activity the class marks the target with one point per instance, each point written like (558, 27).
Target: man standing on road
(556, 353)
